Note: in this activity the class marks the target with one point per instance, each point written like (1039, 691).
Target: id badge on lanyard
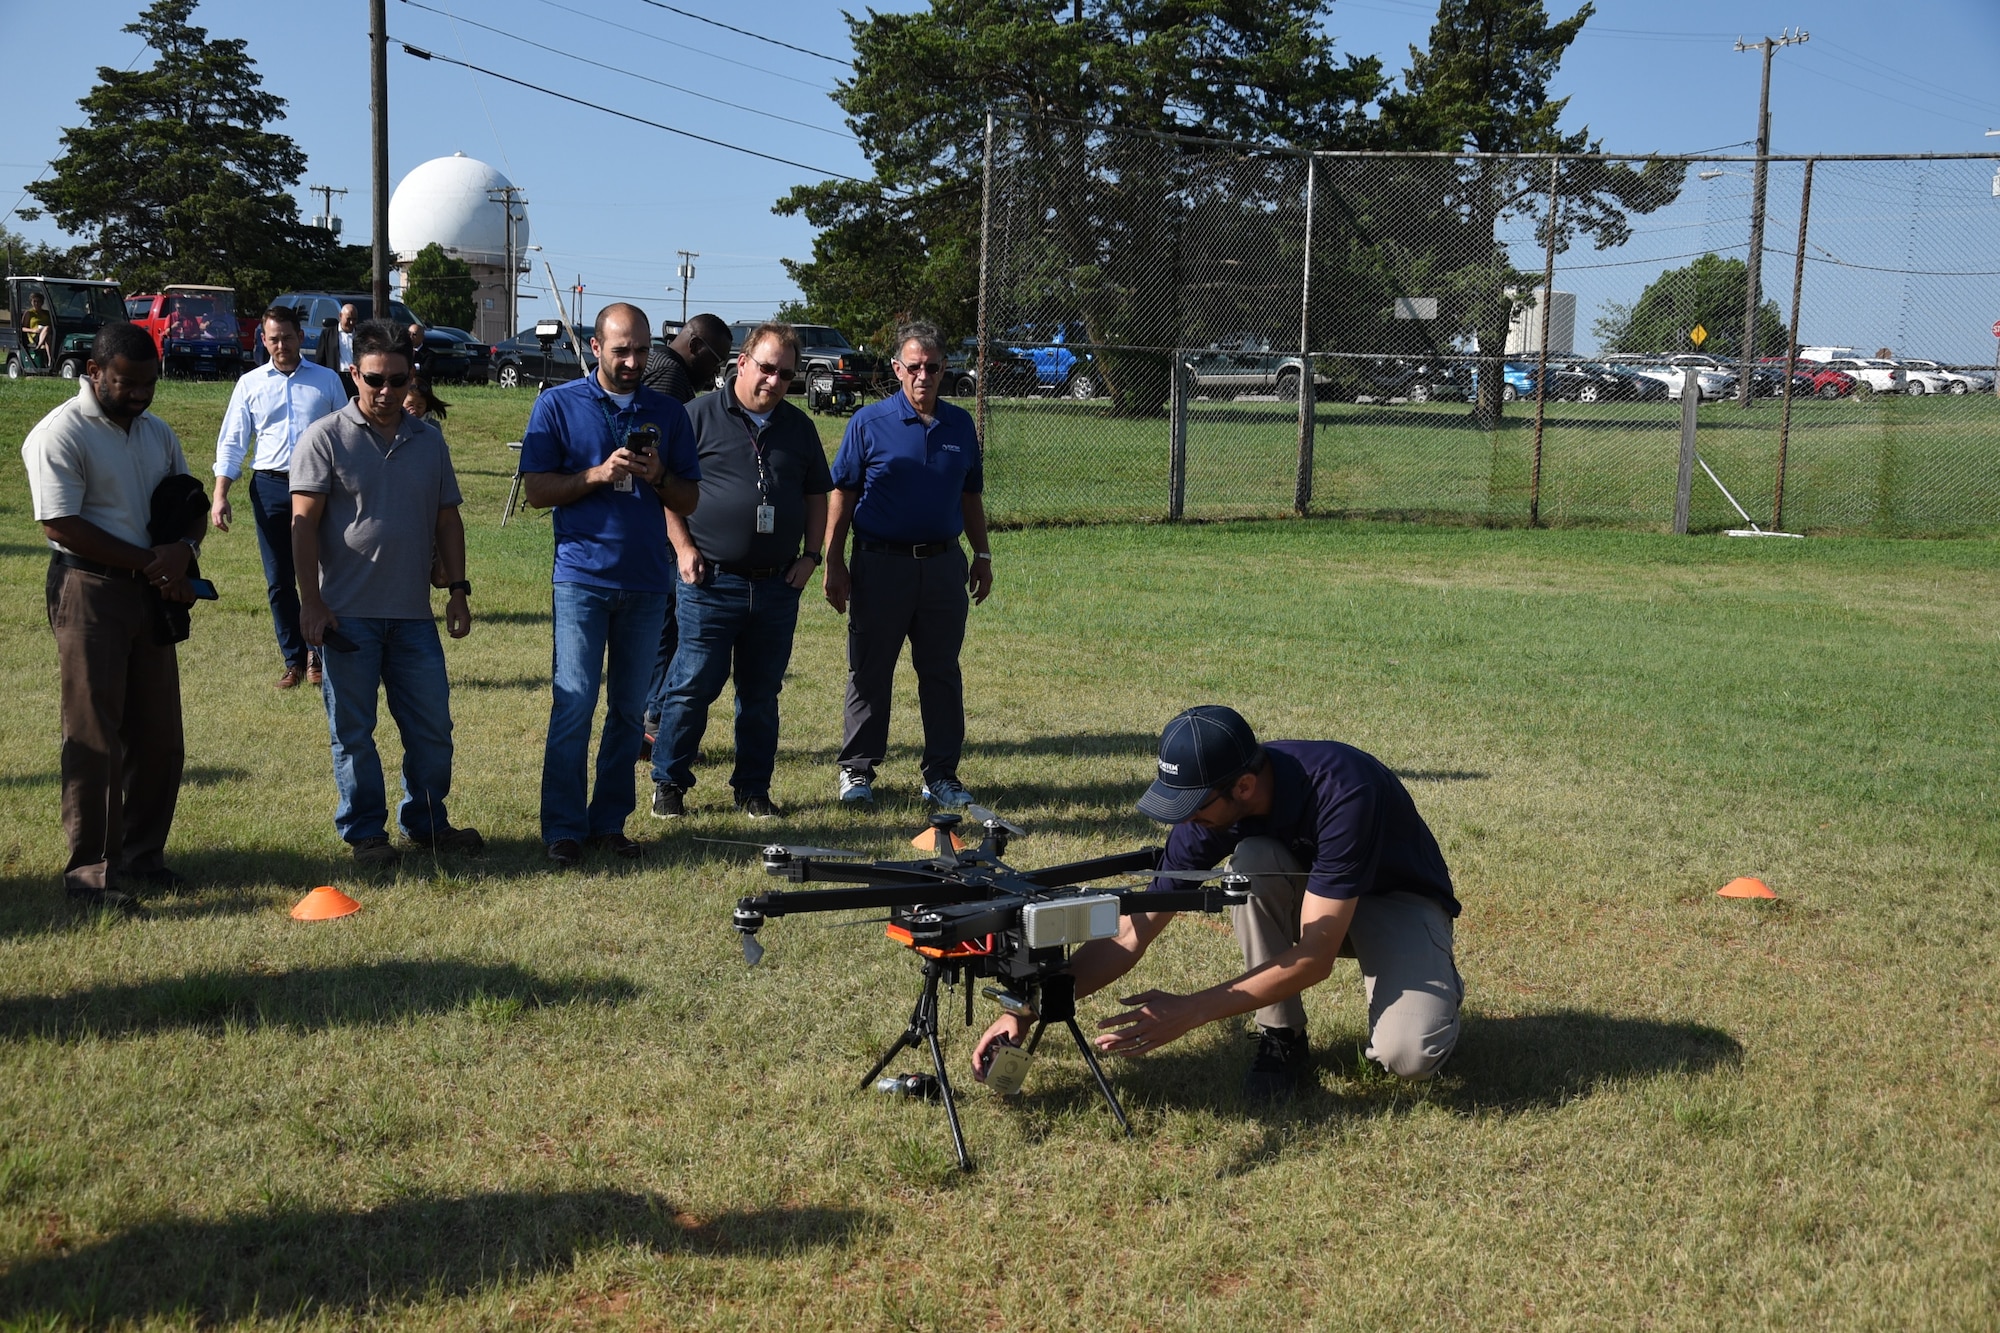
(767, 513)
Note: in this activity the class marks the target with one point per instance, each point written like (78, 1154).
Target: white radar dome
(455, 202)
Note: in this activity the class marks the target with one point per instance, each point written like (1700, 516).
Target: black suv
(833, 373)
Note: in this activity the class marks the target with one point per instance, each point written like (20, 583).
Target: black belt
(269, 472)
(92, 567)
(916, 550)
(741, 570)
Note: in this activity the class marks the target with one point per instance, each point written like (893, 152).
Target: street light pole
(378, 106)
(1752, 287)
(687, 276)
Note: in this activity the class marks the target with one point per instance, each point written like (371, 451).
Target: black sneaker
(1283, 1058)
(667, 802)
(448, 839)
(758, 805)
(617, 844)
(375, 851)
(566, 853)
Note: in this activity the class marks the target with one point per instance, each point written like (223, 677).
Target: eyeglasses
(916, 370)
(375, 380)
(784, 373)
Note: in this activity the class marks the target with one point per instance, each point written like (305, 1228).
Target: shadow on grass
(1502, 1064)
(304, 1262)
(306, 999)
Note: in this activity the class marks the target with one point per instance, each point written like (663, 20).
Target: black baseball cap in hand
(1201, 749)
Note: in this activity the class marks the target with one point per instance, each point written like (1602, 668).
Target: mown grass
(499, 1096)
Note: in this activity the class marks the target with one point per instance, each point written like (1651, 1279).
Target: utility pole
(326, 219)
(1753, 285)
(509, 197)
(686, 272)
(378, 107)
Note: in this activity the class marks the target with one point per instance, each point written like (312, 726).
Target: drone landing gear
(1057, 1004)
(924, 1028)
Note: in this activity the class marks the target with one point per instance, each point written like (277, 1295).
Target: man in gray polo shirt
(744, 555)
(374, 498)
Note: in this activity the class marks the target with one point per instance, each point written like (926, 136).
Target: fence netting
(1174, 327)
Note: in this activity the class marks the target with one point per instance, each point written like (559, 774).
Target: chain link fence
(1173, 327)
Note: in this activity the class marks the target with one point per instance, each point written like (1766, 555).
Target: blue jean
(271, 503)
(405, 661)
(601, 635)
(751, 620)
(656, 688)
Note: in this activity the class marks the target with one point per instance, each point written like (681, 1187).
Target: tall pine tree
(173, 177)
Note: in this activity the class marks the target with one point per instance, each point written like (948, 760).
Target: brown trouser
(122, 751)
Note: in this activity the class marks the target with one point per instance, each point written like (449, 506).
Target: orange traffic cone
(324, 904)
(1745, 887)
(932, 840)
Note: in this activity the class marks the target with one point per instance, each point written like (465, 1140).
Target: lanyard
(757, 448)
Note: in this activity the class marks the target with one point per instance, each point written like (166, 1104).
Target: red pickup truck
(196, 329)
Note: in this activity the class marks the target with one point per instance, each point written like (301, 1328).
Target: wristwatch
(194, 547)
(460, 586)
(816, 557)
(982, 555)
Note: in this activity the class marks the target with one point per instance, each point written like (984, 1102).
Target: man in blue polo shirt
(610, 457)
(1340, 865)
(907, 480)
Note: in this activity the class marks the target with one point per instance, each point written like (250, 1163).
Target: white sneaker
(947, 794)
(856, 787)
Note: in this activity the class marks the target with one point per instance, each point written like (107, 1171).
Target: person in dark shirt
(686, 367)
(744, 556)
(1340, 865)
(680, 369)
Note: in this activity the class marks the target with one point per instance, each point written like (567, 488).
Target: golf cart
(75, 308)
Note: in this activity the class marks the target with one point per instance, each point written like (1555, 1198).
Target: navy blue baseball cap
(1200, 750)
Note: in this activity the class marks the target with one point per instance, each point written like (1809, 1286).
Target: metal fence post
(985, 269)
(1792, 349)
(1684, 485)
(1177, 397)
(1542, 354)
(1302, 492)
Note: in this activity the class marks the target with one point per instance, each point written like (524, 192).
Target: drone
(968, 914)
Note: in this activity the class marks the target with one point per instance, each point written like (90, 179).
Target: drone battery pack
(1070, 920)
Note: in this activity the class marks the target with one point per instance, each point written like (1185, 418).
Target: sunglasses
(766, 368)
(916, 370)
(375, 380)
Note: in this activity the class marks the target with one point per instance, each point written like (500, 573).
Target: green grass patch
(500, 1096)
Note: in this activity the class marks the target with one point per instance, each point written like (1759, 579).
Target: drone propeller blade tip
(753, 952)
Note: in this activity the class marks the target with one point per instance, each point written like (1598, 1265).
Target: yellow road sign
(1697, 335)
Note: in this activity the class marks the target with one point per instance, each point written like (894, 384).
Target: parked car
(454, 356)
(834, 374)
(1880, 376)
(195, 329)
(78, 307)
(1059, 367)
(520, 360)
(1820, 381)
(1007, 374)
(1616, 383)
(316, 308)
(1938, 379)
(1249, 364)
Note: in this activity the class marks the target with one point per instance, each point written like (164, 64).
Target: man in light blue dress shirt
(268, 412)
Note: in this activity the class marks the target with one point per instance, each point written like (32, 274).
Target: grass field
(503, 1098)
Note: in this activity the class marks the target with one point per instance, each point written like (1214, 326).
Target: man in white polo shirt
(268, 412)
(93, 466)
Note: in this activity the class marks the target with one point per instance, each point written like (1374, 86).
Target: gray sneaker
(856, 787)
(947, 794)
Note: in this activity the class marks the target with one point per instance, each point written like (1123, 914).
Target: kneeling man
(1340, 865)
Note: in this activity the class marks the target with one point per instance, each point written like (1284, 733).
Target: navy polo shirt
(911, 476)
(609, 538)
(1344, 815)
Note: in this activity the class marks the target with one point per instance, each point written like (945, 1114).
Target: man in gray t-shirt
(375, 525)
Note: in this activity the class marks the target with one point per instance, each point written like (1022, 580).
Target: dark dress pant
(897, 598)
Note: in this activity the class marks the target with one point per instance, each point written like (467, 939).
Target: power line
(658, 83)
(422, 54)
(683, 46)
(755, 36)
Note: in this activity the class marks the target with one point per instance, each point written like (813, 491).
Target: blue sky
(611, 200)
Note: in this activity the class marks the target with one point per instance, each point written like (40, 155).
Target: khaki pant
(1402, 941)
(122, 751)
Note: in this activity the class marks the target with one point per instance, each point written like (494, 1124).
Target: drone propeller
(753, 952)
(785, 848)
(985, 816)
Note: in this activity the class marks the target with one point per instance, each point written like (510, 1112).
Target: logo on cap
(1166, 767)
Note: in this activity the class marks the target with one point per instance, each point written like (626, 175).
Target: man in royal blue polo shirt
(907, 480)
(610, 457)
(1340, 865)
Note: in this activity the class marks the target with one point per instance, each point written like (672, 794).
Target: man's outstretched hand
(1155, 1018)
